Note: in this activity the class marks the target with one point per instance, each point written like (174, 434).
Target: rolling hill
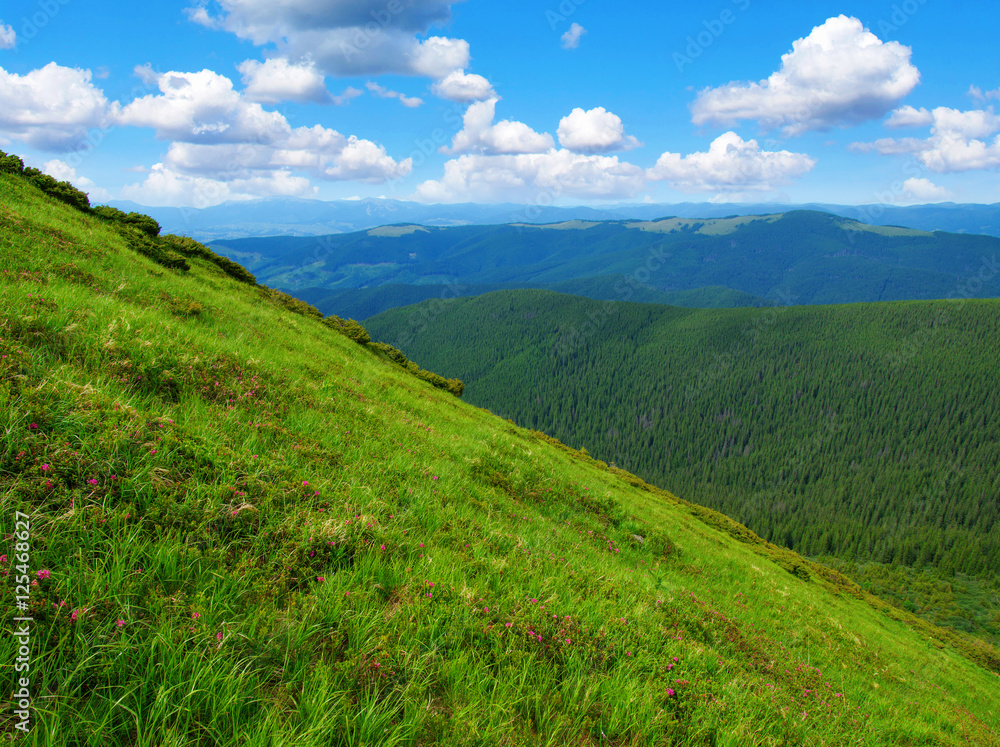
(868, 432)
(247, 526)
(800, 257)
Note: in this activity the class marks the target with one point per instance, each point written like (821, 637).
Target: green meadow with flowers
(250, 526)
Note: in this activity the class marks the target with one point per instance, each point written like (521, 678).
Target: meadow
(246, 528)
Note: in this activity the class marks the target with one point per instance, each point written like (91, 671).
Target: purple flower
(43, 574)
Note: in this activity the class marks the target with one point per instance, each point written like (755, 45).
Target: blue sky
(564, 102)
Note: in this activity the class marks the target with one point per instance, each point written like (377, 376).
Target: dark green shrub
(10, 164)
(348, 327)
(62, 191)
(109, 213)
(155, 249)
(191, 248)
(295, 305)
(396, 356)
(144, 223)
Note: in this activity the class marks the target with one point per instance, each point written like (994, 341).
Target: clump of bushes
(348, 327)
(140, 241)
(360, 335)
(137, 220)
(290, 303)
(10, 164)
(60, 190)
(191, 248)
(141, 232)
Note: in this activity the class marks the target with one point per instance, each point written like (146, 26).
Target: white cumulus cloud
(536, 178)
(385, 93)
(841, 74)
(594, 131)
(959, 140)
(463, 87)
(8, 37)
(62, 171)
(165, 187)
(907, 116)
(347, 37)
(919, 189)
(52, 108)
(276, 79)
(571, 39)
(730, 165)
(480, 135)
(224, 146)
(201, 107)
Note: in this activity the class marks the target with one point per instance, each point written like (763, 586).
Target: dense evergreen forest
(870, 432)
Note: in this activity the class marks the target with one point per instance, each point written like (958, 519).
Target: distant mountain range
(291, 216)
(800, 257)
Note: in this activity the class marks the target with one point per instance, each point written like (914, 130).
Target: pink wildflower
(305, 483)
(46, 468)
(320, 579)
(33, 426)
(195, 615)
(44, 574)
(218, 636)
(670, 691)
(120, 624)
(91, 481)
(3, 559)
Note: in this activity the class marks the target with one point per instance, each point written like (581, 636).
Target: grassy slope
(264, 506)
(863, 431)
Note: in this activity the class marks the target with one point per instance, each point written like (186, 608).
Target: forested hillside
(869, 432)
(801, 257)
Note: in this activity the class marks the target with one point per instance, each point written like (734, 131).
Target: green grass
(869, 432)
(306, 545)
